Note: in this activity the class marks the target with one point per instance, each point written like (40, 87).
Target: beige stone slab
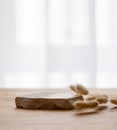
(47, 100)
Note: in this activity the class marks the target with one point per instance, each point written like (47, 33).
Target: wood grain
(47, 100)
(23, 119)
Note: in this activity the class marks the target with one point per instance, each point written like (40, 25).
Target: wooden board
(47, 100)
(22, 119)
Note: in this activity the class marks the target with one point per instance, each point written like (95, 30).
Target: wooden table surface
(12, 118)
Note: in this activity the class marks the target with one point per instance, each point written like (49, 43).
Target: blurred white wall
(55, 43)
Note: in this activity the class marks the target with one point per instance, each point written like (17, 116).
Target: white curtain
(55, 43)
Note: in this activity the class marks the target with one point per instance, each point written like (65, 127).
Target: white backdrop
(55, 43)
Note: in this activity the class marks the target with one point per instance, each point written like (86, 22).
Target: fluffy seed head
(113, 101)
(102, 99)
(72, 87)
(85, 104)
(89, 98)
(81, 89)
